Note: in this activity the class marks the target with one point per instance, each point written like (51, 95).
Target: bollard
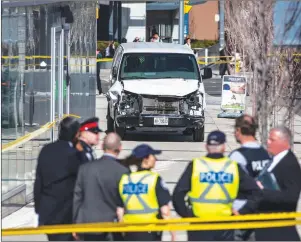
(206, 56)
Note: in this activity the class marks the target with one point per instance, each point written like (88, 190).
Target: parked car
(156, 87)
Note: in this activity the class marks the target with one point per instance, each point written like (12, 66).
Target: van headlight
(129, 103)
(193, 103)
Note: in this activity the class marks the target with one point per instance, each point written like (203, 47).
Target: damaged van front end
(160, 92)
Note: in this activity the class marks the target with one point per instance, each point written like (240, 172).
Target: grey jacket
(96, 190)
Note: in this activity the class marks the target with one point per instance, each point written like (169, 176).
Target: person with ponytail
(143, 194)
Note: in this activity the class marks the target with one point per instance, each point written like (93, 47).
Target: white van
(156, 87)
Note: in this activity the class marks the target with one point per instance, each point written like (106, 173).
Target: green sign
(57, 89)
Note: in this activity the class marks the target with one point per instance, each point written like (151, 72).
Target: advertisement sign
(234, 93)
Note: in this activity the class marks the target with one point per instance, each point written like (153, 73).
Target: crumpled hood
(162, 87)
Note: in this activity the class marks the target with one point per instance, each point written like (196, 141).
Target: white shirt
(276, 159)
(188, 45)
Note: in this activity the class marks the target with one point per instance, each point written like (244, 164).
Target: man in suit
(96, 190)
(287, 172)
(56, 173)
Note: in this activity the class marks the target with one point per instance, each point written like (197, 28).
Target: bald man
(96, 189)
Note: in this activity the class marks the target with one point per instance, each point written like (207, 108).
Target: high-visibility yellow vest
(138, 193)
(214, 186)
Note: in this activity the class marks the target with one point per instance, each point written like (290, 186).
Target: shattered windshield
(158, 66)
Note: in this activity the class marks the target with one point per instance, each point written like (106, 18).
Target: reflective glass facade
(26, 78)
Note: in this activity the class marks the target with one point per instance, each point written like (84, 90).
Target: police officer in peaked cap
(212, 182)
(89, 136)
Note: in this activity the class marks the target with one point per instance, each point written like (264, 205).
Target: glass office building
(34, 34)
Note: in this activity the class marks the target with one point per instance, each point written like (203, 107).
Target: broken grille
(160, 106)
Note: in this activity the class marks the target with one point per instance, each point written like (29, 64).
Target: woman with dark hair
(56, 173)
(69, 130)
(143, 194)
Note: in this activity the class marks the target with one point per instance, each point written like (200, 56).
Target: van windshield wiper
(134, 77)
(172, 77)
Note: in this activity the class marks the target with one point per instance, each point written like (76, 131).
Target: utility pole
(181, 22)
(222, 23)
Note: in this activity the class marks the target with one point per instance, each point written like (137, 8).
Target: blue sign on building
(186, 24)
(286, 31)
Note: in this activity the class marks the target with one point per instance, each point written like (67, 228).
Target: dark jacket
(87, 154)
(96, 190)
(288, 175)
(56, 173)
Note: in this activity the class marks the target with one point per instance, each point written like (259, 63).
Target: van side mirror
(114, 72)
(207, 73)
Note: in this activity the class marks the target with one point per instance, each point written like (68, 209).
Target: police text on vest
(216, 177)
(135, 188)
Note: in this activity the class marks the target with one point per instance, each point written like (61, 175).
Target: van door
(115, 86)
(116, 64)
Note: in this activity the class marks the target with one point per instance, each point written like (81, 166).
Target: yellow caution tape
(49, 57)
(33, 134)
(201, 62)
(222, 223)
(136, 228)
(104, 60)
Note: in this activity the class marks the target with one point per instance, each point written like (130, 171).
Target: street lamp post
(181, 22)
(222, 23)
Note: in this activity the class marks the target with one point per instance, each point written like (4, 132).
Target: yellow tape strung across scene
(201, 62)
(231, 222)
(20, 141)
(49, 57)
(135, 228)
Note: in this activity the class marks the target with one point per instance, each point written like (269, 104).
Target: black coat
(288, 176)
(56, 173)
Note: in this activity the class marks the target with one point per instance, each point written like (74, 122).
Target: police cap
(216, 138)
(144, 150)
(91, 125)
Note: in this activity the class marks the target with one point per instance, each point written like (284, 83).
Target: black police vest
(257, 159)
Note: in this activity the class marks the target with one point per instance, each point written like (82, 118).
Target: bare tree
(83, 29)
(249, 26)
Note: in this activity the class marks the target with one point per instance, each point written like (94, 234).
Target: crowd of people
(72, 186)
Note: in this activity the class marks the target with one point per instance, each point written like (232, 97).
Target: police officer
(143, 194)
(251, 156)
(89, 136)
(212, 183)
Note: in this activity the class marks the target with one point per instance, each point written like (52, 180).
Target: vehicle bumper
(175, 121)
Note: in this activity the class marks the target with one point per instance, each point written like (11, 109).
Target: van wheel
(110, 121)
(199, 134)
